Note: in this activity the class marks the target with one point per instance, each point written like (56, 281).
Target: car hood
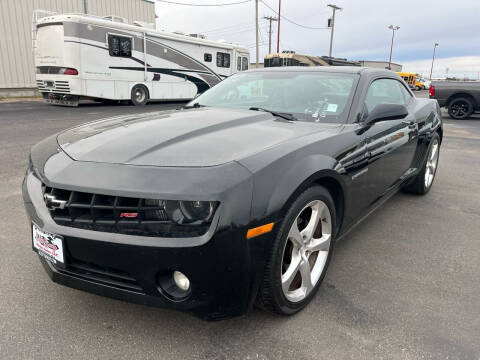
(197, 137)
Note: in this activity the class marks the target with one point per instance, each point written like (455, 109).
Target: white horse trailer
(82, 56)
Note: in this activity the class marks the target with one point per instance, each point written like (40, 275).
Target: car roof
(330, 69)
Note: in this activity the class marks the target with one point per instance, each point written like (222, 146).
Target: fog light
(174, 285)
(181, 280)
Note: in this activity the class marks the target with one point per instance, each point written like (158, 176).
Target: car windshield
(308, 96)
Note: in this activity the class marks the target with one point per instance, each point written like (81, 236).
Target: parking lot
(403, 285)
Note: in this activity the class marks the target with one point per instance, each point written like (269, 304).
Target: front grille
(116, 214)
(59, 86)
(101, 275)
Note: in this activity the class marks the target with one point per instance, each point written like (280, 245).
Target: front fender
(275, 184)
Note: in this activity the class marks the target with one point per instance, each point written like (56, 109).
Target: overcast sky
(360, 32)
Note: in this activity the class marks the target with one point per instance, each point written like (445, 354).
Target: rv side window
(223, 60)
(119, 46)
(244, 63)
(207, 57)
(239, 63)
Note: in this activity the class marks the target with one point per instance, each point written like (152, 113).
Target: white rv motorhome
(83, 56)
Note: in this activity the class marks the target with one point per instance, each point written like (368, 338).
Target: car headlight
(197, 210)
(181, 212)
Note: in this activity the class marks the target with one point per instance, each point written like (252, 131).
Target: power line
(227, 27)
(255, 45)
(240, 28)
(206, 5)
(232, 33)
(294, 22)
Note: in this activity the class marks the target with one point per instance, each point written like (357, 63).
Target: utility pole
(85, 6)
(393, 28)
(256, 31)
(279, 18)
(433, 59)
(332, 25)
(270, 19)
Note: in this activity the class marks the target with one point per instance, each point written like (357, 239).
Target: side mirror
(384, 112)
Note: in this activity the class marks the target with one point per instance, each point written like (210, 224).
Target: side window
(226, 60)
(239, 63)
(406, 94)
(207, 57)
(223, 60)
(119, 46)
(244, 63)
(384, 91)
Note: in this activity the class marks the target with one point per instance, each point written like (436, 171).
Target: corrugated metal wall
(17, 69)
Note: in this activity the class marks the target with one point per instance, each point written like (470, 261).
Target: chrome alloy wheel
(306, 251)
(140, 95)
(432, 161)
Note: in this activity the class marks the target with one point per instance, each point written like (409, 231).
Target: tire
(285, 289)
(139, 95)
(460, 108)
(423, 182)
(418, 88)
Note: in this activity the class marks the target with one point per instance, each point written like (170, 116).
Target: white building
(17, 69)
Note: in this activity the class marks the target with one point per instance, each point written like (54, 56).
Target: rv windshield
(308, 96)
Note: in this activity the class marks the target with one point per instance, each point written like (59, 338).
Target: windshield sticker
(332, 107)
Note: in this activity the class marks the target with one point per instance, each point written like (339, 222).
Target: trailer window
(119, 46)
(244, 63)
(207, 57)
(223, 60)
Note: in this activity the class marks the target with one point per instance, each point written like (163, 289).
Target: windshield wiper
(282, 115)
(194, 106)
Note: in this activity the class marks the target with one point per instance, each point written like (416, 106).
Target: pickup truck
(461, 98)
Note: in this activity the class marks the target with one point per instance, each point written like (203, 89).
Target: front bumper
(223, 266)
(222, 278)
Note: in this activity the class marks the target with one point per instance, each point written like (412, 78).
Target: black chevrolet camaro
(236, 199)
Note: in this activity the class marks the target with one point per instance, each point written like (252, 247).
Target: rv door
(245, 62)
(241, 62)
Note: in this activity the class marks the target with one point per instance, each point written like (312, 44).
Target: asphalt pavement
(405, 284)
